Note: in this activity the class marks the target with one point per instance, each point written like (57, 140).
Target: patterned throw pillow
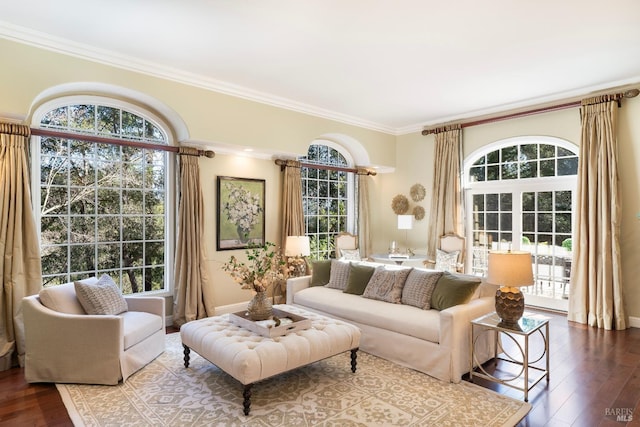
(350, 254)
(447, 261)
(339, 276)
(102, 297)
(419, 287)
(386, 285)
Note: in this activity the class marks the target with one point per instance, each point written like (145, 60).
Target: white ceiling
(389, 65)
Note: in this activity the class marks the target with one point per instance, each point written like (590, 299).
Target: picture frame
(240, 213)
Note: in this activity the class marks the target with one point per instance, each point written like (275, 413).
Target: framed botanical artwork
(240, 213)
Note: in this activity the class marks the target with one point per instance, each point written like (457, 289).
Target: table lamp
(405, 222)
(296, 248)
(509, 270)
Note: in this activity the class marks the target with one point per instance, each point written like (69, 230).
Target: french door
(531, 216)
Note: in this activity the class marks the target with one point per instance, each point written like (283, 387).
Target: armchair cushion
(62, 298)
(350, 254)
(447, 261)
(102, 297)
(139, 325)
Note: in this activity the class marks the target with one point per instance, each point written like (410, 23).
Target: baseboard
(634, 322)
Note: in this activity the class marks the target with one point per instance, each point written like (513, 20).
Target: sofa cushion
(386, 284)
(320, 272)
(453, 289)
(359, 276)
(139, 325)
(62, 298)
(403, 319)
(339, 274)
(419, 287)
(102, 297)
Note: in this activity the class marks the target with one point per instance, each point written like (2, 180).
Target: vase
(243, 234)
(260, 307)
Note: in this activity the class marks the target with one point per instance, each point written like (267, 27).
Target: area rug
(325, 393)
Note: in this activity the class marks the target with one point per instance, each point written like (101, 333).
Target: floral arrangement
(243, 208)
(264, 266)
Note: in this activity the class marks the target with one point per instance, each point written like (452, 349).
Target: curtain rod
(283, 163)
(114, 141)
(631, 93)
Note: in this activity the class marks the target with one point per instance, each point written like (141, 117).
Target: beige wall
(210, 118)
(225, 290)
(562, 124)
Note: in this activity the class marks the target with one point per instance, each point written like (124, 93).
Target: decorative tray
(289, 322)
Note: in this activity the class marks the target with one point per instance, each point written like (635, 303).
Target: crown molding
(538, 102)
(67, 47)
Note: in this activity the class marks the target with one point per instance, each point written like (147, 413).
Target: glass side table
(529, 372)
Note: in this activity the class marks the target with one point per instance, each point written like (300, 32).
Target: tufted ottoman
(250, 357)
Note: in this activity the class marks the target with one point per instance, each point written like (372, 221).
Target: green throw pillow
(320, 272)
(359, 276)
(453, 289)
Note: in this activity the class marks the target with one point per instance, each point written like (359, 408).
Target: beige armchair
(346, 241)
(66, 345)
(450, 254)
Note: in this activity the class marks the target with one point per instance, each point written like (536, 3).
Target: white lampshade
(510, 268)
(297, 246)
(405, 222)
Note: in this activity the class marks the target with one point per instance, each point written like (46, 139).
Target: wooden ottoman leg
(247, 398)
(186, 355)
(354, 356)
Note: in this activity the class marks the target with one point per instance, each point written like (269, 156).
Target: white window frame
(171, 184)
(351, 182)
(517, 187)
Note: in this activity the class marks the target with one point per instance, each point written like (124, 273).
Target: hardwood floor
(595, 376)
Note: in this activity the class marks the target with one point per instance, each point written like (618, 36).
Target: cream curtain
(364, 228)
(193, 293)
(446, 197)
(596, 278)
(20, 267)
(292, 214)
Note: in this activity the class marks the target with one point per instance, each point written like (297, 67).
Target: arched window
(103, 208)
(328, 197)
(520, 194)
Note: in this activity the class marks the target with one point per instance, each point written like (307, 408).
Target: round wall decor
(418, 212)
(400, 204)
(417, 192)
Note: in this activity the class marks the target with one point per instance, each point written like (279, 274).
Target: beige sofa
(436, 342)
(66, 345)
